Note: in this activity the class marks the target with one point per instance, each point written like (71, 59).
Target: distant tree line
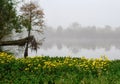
(75, 31)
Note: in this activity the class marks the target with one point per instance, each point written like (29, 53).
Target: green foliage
(58, 70)
(8, 18)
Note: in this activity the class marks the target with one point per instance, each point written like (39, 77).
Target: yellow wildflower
(2, 62)
(26, 69)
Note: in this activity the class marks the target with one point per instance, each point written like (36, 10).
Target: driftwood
(20, 42)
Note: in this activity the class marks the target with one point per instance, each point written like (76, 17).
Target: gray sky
(85, 12)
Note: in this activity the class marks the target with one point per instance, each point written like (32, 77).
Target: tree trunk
(26, 51)
(27, 43)
(29, 32)
(20, 42)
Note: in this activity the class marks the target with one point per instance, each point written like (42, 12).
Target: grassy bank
(58, 70)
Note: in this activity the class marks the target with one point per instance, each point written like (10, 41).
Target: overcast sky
(85, 12)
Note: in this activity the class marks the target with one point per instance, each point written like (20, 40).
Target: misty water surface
(78, 41)
(78, 48)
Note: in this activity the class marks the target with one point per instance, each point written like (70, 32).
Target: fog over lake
(90, 49)
(77, 41)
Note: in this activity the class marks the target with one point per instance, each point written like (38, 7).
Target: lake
(90, 48)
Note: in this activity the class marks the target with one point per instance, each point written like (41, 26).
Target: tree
(8, 18)
(32, 19)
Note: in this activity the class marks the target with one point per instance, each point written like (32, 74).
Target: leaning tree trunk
(20, 42)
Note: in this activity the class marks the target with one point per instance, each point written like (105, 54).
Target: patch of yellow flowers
(5, 58)
(46, 63)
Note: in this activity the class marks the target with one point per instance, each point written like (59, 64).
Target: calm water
(77, 48)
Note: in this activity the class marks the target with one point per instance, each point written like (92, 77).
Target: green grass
(58, 70)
